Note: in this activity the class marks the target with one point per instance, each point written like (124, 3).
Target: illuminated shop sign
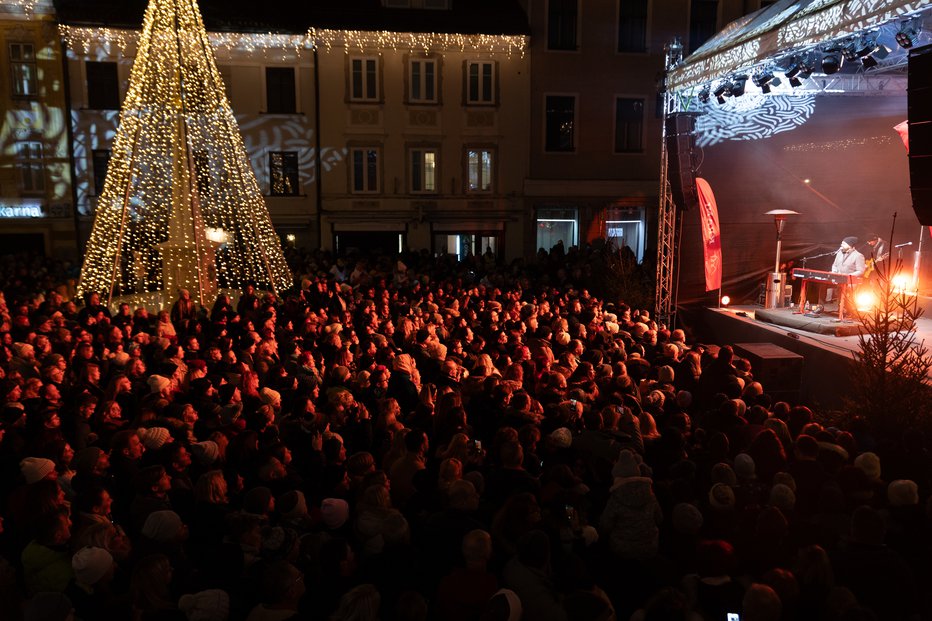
(13, 209)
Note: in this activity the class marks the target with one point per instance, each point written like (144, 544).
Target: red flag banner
(711, 235)
(903, 130)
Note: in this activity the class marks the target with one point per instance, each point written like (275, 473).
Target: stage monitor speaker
(681, 169)
(919, 107)
(779, 370)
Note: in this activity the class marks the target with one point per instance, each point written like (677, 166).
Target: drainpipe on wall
(66, 85)
(319, 192)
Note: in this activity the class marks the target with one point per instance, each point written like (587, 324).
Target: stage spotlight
(865, 301)
(723, 90)
(794, 68)
(909, 31)
(811, 62)
(831, 62)
(900, 282)
(763, 79)
(704, 94)
(850, 49)
(726, 300)
(738, 83)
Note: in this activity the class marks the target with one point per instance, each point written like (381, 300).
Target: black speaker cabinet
(919, 106)
(681, 169)
(779, 370)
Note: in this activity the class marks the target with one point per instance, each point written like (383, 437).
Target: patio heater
(776, 280)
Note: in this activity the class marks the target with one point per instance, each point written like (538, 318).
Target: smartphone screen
(732, 616)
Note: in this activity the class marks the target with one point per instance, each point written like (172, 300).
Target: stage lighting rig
(831, 61)
(909, 31)
(722, 91)
(704, 94)
(764, 80)
(738, 83)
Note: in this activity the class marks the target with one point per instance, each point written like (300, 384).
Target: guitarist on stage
(878, 254)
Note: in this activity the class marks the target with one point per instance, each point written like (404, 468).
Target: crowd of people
(411, 438)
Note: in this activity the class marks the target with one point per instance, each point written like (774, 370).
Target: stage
(824, 380)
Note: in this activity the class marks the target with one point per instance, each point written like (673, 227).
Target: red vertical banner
(711, 235)
(903, 130)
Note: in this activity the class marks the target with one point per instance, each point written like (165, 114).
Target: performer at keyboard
(848, 260)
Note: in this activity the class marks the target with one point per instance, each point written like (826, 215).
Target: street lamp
(777, 279)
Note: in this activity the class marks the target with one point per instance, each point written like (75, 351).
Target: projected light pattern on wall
(752, 117)
(95, 130)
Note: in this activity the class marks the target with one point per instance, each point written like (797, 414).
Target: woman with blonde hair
(372, 514)
(211, 507)
(451, 470)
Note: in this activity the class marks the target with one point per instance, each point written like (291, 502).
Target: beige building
(414, 137)
(428, 124)
(596, 113)
(35, 180)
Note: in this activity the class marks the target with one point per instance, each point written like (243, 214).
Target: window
(101, 163)
(632, 26)
(365, 170)
(423, 81)
(417, 4)
(29, 156)
(624, 227)
(463, 245)
(202, 170)
(226, 75)
(703, 17)
(479, 170)
(561, 24)
(557, 226)
(629, 125)
(283, 173)
(23, 68)
(561, 121)
(364, 79)
(423, 171)
(280, 90)
(103, 86)
(480, 80)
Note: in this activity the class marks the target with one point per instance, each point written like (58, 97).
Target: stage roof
(776, 33)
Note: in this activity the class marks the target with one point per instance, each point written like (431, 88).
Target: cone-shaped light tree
(181, 207)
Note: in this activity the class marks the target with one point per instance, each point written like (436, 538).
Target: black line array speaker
(681, 169)
(919, 106)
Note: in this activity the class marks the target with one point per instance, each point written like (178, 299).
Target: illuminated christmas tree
(181, 207)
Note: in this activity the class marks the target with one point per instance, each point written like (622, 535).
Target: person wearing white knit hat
(36, 469)
(91, 565)
(154, 438)
(209, 605)
(159, 384)
(271, 397)
(164, 527)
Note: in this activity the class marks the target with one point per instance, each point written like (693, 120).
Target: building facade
(35, 174)
(406, 134)
(446, 125)
(596, 113)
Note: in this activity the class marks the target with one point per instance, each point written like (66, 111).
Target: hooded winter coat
(631, 519)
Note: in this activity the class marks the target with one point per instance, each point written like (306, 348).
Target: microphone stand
(818, 256)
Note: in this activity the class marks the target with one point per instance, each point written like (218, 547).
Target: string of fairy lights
(82, 40)
(181, 206)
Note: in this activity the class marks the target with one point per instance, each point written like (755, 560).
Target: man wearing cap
(847, 259)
